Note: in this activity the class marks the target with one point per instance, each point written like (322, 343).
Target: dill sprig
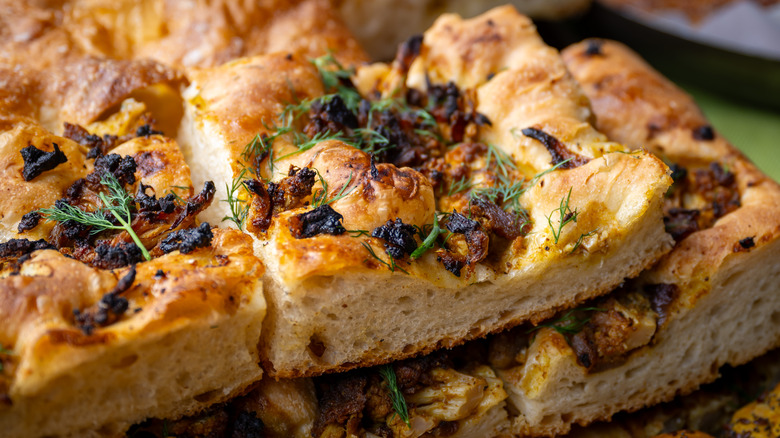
(565, 214)
(397, 398)
(320, 197)
(430, 240)
(333, 74)
(358, 233)
(117, 202)
(503, 161)
(239, 208)
(392, 266)
(461, 185)
(582, 236)
(568, 324)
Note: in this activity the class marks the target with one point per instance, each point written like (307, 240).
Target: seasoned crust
(310, 282)
(180, 34)
(724, 309)
(189, 337)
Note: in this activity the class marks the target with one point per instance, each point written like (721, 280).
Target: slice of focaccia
(89, 351)
(712, 301)
(117, 305)
(402, 208)
(447, 393)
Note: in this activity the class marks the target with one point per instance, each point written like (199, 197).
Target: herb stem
(126, 226)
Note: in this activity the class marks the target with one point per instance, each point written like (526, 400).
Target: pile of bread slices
(220, 219)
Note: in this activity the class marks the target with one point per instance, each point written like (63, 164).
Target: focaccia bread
(104, 327)
(475, 141)
(712, 301)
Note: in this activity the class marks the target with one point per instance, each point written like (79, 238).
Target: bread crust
(726, 308)
(173, 342)
(319, 286)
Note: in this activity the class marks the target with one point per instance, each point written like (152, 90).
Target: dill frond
(239, 208)
(397, 398)
(565, 215)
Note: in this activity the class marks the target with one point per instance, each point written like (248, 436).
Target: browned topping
(497, 220)
(698, 198)
(97, 145)
(408, 51)
(321, 220)
(747, 243)
(146, 130)
(114, 257)
(29, 221)
(37, 161)
(20, 247)
(558, 150)
(680, 222)
(196, 204)
(593, 47)
(187, 240)
(398, 237)
(704, 133)
(122, 168)
(109, 309)
(662, 295)
(261, 205)
(342, 400)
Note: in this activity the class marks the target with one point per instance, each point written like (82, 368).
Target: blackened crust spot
(593, 47)
(704, 133)
(37, 161)
(398, 237)
(321, 220)
(146, 131)
(747, 243)
(187, 240)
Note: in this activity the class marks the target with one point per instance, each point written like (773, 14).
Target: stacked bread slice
(391, 216)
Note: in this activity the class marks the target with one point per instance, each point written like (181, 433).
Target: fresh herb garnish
(582, 236)
(503, 161)
(392, 266)
(320, 197)
(118, 203)
(239, 208)
(461, 185)
(565, 214)
(397, 398)
(429, 240)
(568, 324)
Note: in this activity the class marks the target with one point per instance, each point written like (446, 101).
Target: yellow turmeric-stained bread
(712, 301)
(456, 192)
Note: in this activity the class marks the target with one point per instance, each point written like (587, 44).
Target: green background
(754, 130)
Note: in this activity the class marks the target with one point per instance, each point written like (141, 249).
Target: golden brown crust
(181, 297)
(181, 34)
(719, 304)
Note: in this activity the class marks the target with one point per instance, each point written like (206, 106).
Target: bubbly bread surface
(321, 286)
(713, 298)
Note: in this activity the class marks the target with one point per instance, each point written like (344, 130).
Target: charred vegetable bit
(97, 145)
(20, 247)
(29, 221)
(321, 220)
(117, 204)
(557, 149)
(698, 198)
(113, 257)
(398, 237)
(196, 204)
(122, 169)
(109, 309)
(186, 241)
(37, 161)
(662, 295)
